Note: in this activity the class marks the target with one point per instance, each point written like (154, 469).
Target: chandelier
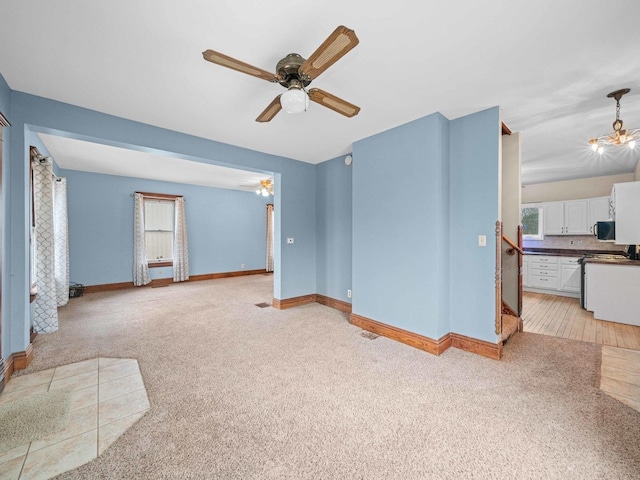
(619, 136)
(266, 188)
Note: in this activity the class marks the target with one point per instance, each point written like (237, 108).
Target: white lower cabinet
(552, 274)
(569, 275)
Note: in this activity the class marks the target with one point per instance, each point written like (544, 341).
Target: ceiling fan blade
(229, 62)
(332, 49)
(334, 103)
(271, 111)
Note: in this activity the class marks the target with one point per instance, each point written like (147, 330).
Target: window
(532, 222)
(159, 222)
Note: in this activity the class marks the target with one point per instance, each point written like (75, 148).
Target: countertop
(565, 252)
(613, 261)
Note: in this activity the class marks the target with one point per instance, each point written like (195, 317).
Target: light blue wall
(333, 228)
(475, 207)
(226, 228)
(399, 227)
(295, 265)
(400, 210)
(5, 108)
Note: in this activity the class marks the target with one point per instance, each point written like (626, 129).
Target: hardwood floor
(562, 317)
(620, 375)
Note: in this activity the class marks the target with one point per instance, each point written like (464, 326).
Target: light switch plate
(482, 240)
(290, 240)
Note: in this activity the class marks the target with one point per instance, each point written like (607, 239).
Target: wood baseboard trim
(109, 287)
(8, 369)
(22, 360)
(333, 303)
(215, 276)
(479, 347)
(435, 347)
(293, 302)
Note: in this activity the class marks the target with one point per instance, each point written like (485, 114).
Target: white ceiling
(548, 64)
(75, 154)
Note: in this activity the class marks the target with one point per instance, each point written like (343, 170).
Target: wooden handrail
(513, 245)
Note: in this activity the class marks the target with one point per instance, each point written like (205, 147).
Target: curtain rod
(158, 196)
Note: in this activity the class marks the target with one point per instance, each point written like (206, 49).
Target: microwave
(605, 231)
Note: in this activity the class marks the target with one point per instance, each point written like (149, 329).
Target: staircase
(511, 322)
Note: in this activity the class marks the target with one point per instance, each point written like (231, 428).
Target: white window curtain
(61, 240)
(270, 235)
(45, 305)
(180, 246)
(140, 266)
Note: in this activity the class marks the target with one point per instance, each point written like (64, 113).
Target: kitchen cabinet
(552, 274)
(626, 197)
(599, 211)
(543, 272)
(612, 292)
(566, 218)
(569, 278)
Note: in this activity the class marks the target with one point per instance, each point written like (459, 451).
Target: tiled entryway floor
(108, 397)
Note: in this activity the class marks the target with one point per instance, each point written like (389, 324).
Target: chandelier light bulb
(600, 150)
(594, 144)
(632, 144)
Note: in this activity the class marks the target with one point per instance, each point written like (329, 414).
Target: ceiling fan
(295, 73)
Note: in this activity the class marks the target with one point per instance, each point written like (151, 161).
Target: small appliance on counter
(632, 252)
(605, 231)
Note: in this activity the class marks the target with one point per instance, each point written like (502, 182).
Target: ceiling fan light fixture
(266, 188)
(295, 100)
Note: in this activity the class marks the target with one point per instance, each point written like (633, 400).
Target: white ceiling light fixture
(266, 188)
(620, 136)
(295, 100)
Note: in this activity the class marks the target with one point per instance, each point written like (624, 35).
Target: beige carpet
(37, 416)
(241, 392)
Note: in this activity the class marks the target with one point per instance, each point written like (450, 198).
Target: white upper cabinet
(566, 218)
(554, 218)
(576, 217)
(627, 212)
(599, 211)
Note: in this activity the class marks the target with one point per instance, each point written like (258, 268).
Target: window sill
(160, 264)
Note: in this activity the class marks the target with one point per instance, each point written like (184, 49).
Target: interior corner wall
(5, 108)
(475, 188)
(400, 227)
(333, 228)
(511, 160)
(295, 265)
(226, 229)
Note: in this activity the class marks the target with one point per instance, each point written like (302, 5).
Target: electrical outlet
(242, 265)
(289, 239)
(159, 272)
(348, 293)
(570, 242)
(482, 240)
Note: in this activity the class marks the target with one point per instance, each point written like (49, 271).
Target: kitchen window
(532, 225)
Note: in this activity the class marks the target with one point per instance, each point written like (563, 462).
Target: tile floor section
(108, 397)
